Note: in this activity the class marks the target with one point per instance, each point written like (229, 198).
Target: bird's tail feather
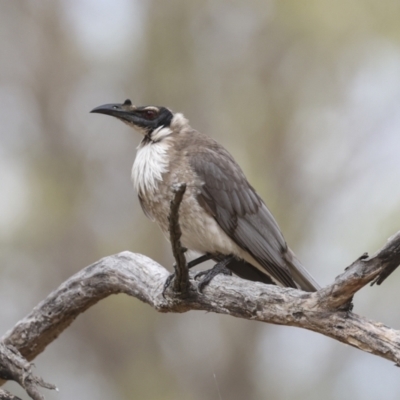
(300, 275)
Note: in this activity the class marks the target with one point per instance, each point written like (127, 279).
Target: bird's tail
(300, 275)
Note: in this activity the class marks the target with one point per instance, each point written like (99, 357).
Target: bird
(221, 216)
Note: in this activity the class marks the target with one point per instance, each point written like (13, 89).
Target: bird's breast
(157, 168)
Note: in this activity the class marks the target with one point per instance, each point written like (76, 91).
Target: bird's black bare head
(146, 119)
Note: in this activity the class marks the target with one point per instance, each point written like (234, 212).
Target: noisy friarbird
(221, 215)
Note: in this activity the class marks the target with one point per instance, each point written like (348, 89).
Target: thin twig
(181, 281)
(361, 272)
(391, 256)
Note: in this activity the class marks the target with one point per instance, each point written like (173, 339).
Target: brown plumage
(221, 213)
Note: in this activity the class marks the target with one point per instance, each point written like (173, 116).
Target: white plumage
(150, 164)
(152, 158)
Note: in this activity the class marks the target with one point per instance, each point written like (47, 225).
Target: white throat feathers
(152, 158)
(151, 162)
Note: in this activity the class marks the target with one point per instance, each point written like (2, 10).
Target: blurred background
(305, 95)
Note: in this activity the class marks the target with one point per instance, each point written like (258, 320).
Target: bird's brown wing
(239, 211)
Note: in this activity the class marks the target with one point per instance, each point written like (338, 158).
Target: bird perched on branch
(221, 215)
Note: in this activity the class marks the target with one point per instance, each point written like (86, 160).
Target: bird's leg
(219, 268)
(199, 260)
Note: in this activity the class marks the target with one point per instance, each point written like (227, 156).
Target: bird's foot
(207, 278)
(210, 274)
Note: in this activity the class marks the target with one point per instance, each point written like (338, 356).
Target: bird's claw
(210, 274)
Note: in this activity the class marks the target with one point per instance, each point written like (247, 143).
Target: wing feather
(239, 211)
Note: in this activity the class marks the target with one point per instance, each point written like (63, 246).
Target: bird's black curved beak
(115, 110)
(123, 111)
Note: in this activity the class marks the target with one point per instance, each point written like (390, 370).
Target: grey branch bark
(13, 366)
(4, 395)
(142, 278)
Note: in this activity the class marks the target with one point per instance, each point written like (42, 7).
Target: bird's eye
(150, 114)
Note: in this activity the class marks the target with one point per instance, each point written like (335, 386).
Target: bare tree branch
(364, 270)
(14, 367)
(390, 256)
(141, 277)
(325, 311)
(4, 395)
